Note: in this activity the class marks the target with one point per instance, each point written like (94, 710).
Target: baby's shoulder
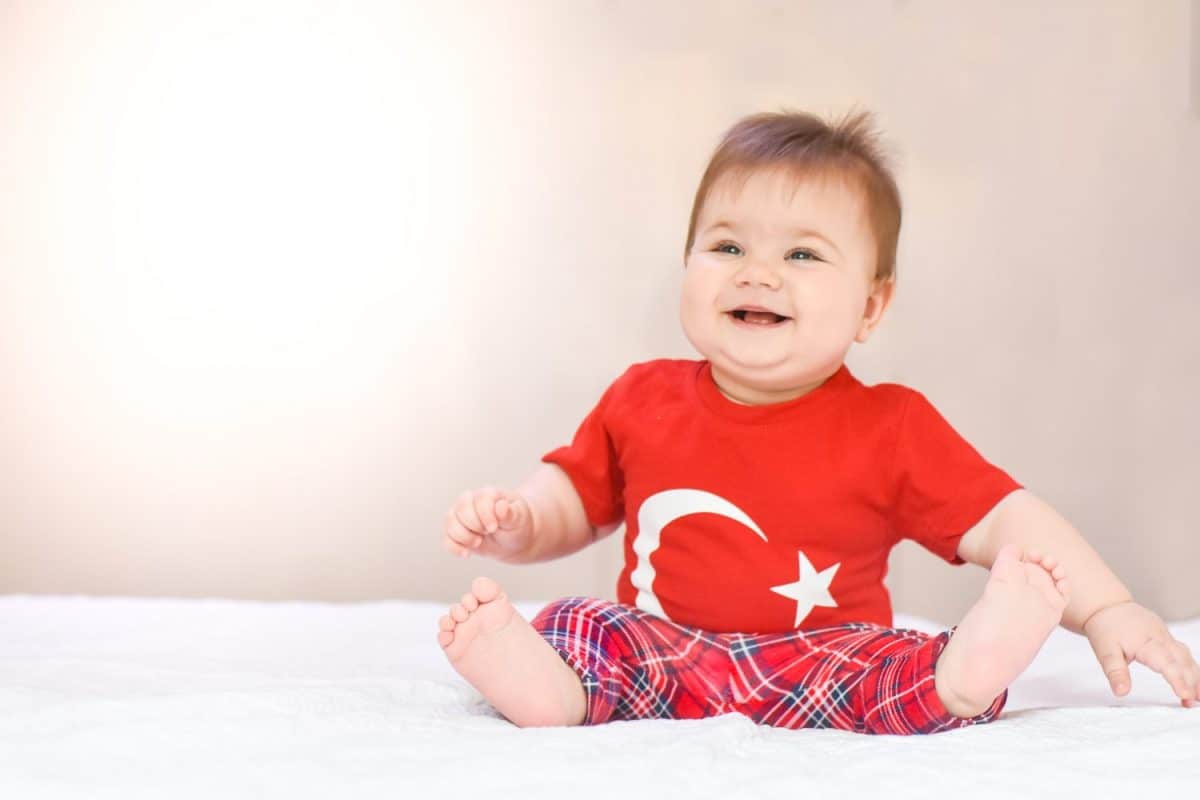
(905, 404)
(658, 370)
(654, 378)
(892, 392)
(886, 402)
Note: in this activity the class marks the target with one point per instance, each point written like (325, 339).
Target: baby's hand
(490, 522)
(1128, 632)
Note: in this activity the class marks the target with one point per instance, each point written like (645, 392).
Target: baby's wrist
(1104, 607)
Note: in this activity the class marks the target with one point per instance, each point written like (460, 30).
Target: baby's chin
(767, 362)
(763, 375)
(775, 376)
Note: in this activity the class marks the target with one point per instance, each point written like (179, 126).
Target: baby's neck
(753, 397)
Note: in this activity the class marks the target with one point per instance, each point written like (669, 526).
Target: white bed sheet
(115, 697)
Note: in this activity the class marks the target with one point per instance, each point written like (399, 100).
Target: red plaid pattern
(858, 677)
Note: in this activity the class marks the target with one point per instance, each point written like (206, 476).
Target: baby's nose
(757, 274)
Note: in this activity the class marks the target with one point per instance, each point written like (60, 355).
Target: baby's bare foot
(502, 656)
(1021, 605)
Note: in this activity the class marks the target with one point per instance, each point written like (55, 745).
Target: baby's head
(798, 217)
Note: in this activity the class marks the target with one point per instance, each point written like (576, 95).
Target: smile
(756, 319)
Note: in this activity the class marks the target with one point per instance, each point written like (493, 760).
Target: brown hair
(804, 145)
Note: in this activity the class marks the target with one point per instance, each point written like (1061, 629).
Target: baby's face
(801, 250)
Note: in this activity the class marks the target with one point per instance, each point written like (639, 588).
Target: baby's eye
(722, 248)
(805, 255)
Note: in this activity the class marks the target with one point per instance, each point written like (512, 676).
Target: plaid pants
(858, 677)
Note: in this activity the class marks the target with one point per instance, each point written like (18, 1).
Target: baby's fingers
(464, 511)
(459, 540)
(1115, 665)
(1158, 656)
(1191, 672)
(511, 511)
(485, 508)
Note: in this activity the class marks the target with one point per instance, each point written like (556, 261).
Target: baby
(763, 487)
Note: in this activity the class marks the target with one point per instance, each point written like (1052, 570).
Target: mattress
(121, 697)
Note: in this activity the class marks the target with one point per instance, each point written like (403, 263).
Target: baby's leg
(635, 665)
(502, 656)
(858, 677)
(870, 679)
(1021, 605)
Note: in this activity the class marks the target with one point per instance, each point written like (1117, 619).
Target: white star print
(810, 589)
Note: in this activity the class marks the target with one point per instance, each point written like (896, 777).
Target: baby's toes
(485, 589)
(1064, 589)
(1042, 580)
(446, 627)
(1048, 563)
(1037, 576)
(469, 601)
(459, 613)
(1008, 566)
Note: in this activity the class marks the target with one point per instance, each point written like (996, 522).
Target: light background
(278, 280)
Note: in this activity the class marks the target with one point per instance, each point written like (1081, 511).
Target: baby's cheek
(823, 312)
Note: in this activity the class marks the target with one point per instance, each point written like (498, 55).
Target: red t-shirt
(761, 519)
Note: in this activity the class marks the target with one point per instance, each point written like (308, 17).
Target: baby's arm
(542, 520)
(560, 525)
(1027, 521)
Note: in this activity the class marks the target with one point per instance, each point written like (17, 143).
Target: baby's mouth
(765, 318)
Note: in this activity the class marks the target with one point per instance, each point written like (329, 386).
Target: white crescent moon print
(659, 510)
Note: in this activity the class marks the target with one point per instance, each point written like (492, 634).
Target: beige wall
(277, 284)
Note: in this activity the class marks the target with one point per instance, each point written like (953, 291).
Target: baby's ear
(885, 287)
(882, 292)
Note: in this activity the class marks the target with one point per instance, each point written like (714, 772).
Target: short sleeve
(942, 485)
(591, 463)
